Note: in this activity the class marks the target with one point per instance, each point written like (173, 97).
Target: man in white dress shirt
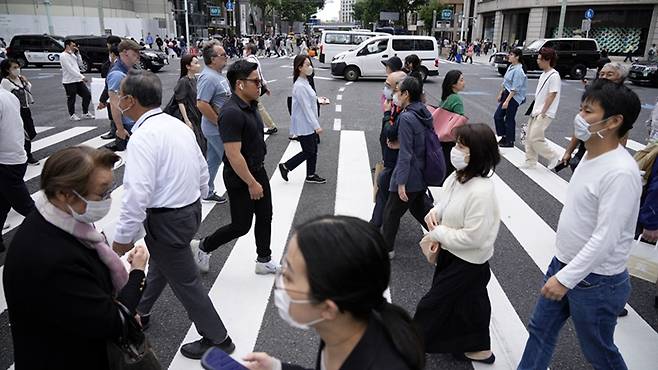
(74, 81)
(587, 279)
(165, 177)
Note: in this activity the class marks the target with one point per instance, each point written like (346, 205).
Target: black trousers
(419, 204)
(446, 147)
(77, 88)
(30, 131)
(13, 193)
(243, 209)
(381, 198)
(309, 154)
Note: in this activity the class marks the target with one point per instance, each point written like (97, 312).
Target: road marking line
(339, 108)
(243, 312)
(60, 136)
(337, 123)
(40, 129)
(349, 83)
(341, 89)
(339, 97)
(354, 179)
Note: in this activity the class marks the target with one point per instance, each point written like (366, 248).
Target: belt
(165, 210)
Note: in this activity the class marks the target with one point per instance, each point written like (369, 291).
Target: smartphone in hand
(216, 359)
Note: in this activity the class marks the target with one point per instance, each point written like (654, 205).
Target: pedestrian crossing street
(249, 294)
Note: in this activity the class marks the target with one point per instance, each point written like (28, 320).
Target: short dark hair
(414, 60)
(144, 86)
(412, 85)
(347, 262)
(5, 66)
(68, 42)
(615, 99)
(208, 51)
(549, 55)
(253, 49)
(112, 39)
(484, 154)
(240, 70)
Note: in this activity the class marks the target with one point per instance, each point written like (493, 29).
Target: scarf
(88, 236)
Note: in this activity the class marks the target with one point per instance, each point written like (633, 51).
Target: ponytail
(403, 333)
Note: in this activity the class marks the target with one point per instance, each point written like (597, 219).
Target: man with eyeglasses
(213, 91)
(247, 183)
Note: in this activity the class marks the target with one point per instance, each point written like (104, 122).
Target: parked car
(574, 56)
(644, 72)
(94, 53)
(366, 59)
(36, 50)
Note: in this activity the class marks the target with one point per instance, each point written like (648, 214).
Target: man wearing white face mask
(587, 279)
(304, 123)
(165, 177)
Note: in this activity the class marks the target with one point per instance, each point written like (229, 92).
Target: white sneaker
(553, 162)
(391, 255)
(87, 116)
(264, 268)
(6, 226)
(201, 258)
(527, 165)
(75, 117)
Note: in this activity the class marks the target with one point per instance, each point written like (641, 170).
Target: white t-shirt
(12, 135)
(554, 84)
(595, 230)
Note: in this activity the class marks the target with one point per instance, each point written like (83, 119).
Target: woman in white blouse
(454, 315)
(304, 124)
(17, 84)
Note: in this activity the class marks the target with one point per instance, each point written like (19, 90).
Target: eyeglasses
(257, 81)
(220, 55)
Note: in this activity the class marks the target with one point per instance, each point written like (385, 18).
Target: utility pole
(101, 20)
(51, 29)
(187, 22)
(563, 14)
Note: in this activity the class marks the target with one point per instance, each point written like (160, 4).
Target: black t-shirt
(240, 122)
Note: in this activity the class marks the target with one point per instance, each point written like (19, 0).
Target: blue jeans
(593, 305)
(505, 119)
(214, 159)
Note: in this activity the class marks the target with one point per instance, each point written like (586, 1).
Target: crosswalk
(244, 313)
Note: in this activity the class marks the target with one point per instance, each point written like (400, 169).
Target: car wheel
(424, 73)
(85, 67)
(22, 62)
(155, 69)
(351, 73)
(578, 72)
(142, 64)
(502, 71)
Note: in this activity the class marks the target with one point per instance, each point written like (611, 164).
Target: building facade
(346, 11)
(618, 26)
(131, 18)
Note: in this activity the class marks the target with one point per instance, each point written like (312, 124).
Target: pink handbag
(445, 122)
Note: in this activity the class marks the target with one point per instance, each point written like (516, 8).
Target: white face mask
(396, 100)
(308, 70)
(581, 128)
(282, 302)
(96, 210)
(388, 93)
(458, 159)
(122, 110)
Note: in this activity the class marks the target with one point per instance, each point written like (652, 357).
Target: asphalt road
(530, 203)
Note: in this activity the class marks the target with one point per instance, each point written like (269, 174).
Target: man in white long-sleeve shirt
(165, 177)
(587, 280)
(74, 81)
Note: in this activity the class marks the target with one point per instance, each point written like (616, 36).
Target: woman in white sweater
(454, 315)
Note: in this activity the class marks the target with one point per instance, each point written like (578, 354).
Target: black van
(37, 50)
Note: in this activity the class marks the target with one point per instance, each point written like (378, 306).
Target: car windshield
(536, 45)
(59, 40)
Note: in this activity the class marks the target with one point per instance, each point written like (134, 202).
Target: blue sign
(446, 14)
(589, 13)
(229, 6)
(215, 11)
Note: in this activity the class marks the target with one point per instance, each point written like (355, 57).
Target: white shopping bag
(643, 261)
(97, 87)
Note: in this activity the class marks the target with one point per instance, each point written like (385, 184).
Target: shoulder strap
(545, 81)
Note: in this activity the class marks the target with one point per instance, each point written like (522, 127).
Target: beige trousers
(267, 119)
(535, 142)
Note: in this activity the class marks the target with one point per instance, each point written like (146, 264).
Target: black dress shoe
(271, 131)
(195, 350)
(113, 147)
(108, 136)
(462, 357)
(506, 144)
(284, 171)
(502, 140)
(623, 313)
(32, 160)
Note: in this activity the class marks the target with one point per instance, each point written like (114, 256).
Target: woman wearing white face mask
(455, 313)
(304, 122)
(59, 260)
(335, 273)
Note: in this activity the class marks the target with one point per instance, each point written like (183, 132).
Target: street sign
(586, 25)
(589, 13)
(229, 6)
(215, 11)
(446, 14)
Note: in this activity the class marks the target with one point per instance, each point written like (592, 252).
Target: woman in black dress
(185, 98)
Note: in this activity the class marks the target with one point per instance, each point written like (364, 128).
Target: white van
(335, 42)
(366, 59)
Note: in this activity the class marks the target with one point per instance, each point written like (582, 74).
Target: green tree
(297, 10)
(426, 12)
(367, 11)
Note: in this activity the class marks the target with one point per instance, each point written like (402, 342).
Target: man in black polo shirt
(246, 180)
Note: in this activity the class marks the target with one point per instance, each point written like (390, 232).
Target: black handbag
(131, 351)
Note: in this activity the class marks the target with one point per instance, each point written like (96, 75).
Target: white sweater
(469, 218)
(70, 67)
(596, 228)
(12, 135)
